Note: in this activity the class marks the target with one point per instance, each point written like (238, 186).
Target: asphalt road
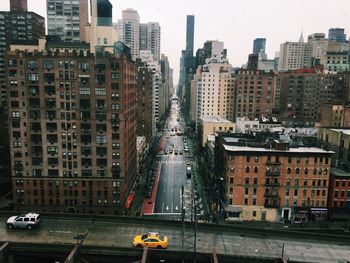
(115, 234)
(173, 169)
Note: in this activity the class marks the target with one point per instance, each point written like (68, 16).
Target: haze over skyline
(236, 23)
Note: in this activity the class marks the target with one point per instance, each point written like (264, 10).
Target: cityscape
(110, 151)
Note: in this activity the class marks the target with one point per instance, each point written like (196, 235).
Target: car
(151, 239)
(29, 221)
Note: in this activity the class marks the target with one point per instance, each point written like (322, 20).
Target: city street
(175, 159)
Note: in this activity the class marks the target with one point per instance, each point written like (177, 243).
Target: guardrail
(338, 235)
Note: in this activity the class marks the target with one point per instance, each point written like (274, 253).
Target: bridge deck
(109, 233)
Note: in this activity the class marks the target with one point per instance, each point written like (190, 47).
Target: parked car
(28, 221)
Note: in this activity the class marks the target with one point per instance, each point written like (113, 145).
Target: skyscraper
(259, 45)
(337, 34)
(294, 55)
(215, 86)
(187, 70)
(189, 35)
(129, 31)
(18, 5)
(67, 19)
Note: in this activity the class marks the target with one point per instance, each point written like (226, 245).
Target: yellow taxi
(151, 239)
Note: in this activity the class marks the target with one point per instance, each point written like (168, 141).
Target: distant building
(129, 31)
(245, 125)
(337, 34)
(254, 93)
(300, 94)
(187, 67)
(215, 86)
(147, 58)
(274, 182)
(100, 33)
(335, 114)
(150, 38)
(165, 88)
(144, 94)
(253, 61)
(189, 35)
(259, 45)
(211, 124)
(337, 140)
(339, 193)
(16, 26)
(79, 152)
(318, 45)
(19, 5)
(294, 55)
(67, 19)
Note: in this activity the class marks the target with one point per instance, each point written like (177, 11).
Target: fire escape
(272, 184)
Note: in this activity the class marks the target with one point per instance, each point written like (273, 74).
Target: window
(247, 180)
(256, 169)
(33, 77)
(247, 169)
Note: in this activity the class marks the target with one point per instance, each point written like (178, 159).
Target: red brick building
(339, 189)
(72, 125)
(276, 183)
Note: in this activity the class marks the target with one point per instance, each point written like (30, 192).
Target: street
(175, 176)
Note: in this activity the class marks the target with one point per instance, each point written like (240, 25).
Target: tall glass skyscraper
(190, 35)
(104, 13)
(337, 34)
(259, 45)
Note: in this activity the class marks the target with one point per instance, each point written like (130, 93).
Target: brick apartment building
(255, 91)
(144, 100)
(275, 183)
(301, 92)
(72, 119)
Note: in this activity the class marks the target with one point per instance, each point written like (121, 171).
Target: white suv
(28, 221)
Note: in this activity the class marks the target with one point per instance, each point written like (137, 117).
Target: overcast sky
(235, 22)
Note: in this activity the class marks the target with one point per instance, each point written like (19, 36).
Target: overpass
(87, 238)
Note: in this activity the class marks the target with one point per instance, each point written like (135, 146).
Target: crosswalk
(173, 162)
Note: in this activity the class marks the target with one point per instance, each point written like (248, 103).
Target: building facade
(275, 183)
(144, 100)
(72, 129)
(335, 114)
(294, 55)
(255, 91)
(67, 19)
(215, 86)
(19, 5)
(300, 94)
(129, 31)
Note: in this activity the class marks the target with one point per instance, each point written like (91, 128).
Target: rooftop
(215, 119)
(345, 131)
(260, 149)
(339, 172)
